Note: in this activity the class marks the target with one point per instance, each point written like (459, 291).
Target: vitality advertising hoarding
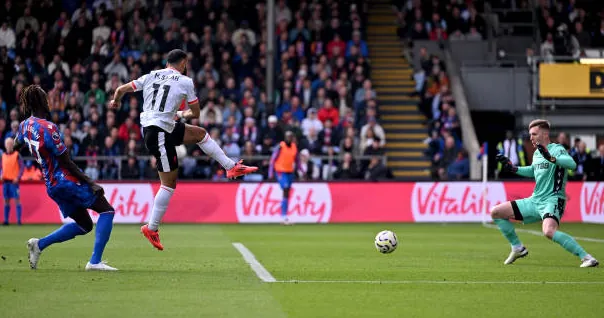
(319, 202)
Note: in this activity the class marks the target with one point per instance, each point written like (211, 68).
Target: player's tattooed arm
(68, 164)
(119, 93)
(193, 111)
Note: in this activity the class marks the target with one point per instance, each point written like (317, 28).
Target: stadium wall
(336, 202)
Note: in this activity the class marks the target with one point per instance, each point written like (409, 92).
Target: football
(386, 242)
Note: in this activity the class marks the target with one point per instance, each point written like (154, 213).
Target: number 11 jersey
(163, 92)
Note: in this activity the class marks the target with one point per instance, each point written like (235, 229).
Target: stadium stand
(419, 24)
(81, 52)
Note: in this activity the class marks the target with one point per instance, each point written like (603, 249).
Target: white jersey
(163, 92)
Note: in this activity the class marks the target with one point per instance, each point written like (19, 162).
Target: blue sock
(6, 212)
(64, 233)
(284, 203)
(104, 225)
(19, 213)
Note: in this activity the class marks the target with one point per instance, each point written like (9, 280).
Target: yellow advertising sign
(571, 81)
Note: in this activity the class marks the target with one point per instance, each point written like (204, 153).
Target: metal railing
(119, 161)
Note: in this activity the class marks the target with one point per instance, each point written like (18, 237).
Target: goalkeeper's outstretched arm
(526, 171)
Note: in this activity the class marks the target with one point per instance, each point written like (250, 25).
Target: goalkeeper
(549, 169)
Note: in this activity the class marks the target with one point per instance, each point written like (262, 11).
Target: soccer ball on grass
(386, 242)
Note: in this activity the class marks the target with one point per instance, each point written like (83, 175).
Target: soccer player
(163, 92)
(550, 171)
(12, 170)
(283, 162)
(66, 184)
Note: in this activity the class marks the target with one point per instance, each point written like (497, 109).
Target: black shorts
(162, 145)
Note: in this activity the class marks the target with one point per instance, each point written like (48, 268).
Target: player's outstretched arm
(526, 171)
(70, 166)
(560, 157)
(119, 93)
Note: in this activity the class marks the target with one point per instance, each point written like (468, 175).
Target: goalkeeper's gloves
(545, 153)
(506, 162)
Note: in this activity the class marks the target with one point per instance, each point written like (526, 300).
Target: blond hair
(541, 123)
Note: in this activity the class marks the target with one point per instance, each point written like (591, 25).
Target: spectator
(329, 112)
(583, 160)
(348, 169)
(460, 168)
(308, 169)
(130, 170)
(596, 166)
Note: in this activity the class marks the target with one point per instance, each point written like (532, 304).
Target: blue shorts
(10, 190)
(285, 179)
(71, 196)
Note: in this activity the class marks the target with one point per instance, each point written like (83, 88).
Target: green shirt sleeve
(564, 160)
(526, 171)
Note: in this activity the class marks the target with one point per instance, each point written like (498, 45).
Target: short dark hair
(541, 123)
(175, 56)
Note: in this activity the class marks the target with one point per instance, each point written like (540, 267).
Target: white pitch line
(249, 258)
(440, 282)
(537, 233)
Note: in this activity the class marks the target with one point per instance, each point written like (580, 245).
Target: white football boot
(589, 261)
(34, 252)
(516, 254)
(102, 266)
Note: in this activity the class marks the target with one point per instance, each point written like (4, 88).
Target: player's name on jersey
(34, 132)
(173, 77)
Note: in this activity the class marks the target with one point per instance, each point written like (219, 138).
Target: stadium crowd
(81, 54)
(568, 28)
(439, 21)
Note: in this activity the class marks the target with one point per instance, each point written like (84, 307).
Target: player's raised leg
(550, 230)
(83, 224)
(502, 214)
(199, 136)
(104, 226)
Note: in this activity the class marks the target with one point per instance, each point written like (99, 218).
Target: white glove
(179, 114)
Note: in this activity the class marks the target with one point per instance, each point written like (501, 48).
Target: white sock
(517, 248)
(211, 148)
(162, 198)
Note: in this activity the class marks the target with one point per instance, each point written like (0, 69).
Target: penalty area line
(249, 258)
(428, 282)
(538, 233)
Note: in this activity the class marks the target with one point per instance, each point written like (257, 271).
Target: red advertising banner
(320, 202)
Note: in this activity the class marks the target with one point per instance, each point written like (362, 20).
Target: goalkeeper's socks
(507, 229)
(569, 244)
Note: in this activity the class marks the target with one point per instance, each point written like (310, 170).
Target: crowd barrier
(337, 202)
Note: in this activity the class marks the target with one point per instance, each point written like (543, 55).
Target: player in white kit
(163, 92)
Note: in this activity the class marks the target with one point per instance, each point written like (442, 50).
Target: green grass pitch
(433, 273)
